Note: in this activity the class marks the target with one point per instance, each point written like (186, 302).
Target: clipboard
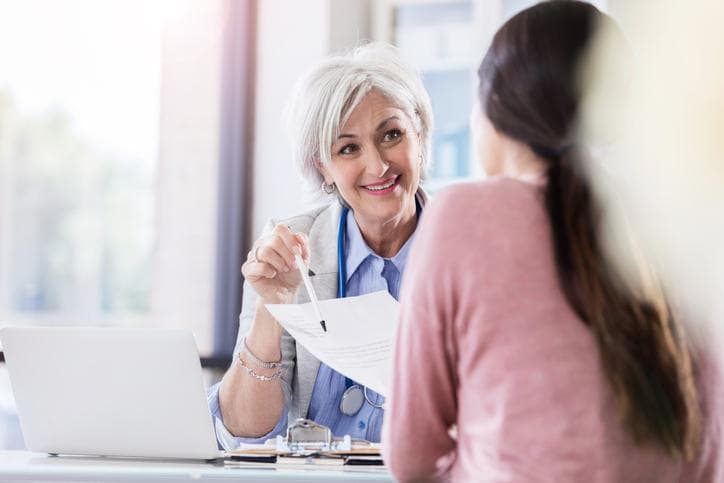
(307, 444)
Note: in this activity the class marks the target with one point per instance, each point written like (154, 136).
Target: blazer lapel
(323, 262)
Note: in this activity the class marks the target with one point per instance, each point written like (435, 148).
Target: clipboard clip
(308, 443)
(305, 437)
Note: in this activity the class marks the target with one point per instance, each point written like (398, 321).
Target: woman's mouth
(383, 187)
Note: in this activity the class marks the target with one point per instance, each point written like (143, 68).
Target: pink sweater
(488, 343)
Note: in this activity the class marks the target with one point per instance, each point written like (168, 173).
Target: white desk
(25, 466)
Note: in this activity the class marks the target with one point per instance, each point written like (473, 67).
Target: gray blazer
(299, 367)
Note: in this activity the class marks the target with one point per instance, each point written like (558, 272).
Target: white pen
(310, 289)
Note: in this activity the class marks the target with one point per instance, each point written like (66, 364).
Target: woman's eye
(348, 149)
(392, 135)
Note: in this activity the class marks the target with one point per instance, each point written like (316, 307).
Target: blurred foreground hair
(530, 91)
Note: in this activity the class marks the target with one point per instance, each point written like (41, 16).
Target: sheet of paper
(359, 338)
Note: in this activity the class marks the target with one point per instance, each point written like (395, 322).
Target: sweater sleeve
(422, 404)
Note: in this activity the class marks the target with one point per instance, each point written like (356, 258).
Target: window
(442, 39)
(446, 40)
(438, 39)
(109, 163)
(122, 125)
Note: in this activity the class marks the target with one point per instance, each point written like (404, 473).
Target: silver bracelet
(261, 377)
(258, 362)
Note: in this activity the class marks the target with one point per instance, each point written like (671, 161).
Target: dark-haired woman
(521, 354)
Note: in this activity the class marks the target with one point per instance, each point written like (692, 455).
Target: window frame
(235, 195)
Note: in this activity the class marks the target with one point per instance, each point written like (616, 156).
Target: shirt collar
(358, 251)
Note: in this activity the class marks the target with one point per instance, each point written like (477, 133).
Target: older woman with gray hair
(361, 126)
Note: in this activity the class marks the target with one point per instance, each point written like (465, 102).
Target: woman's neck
(388, 238)
(520, 162)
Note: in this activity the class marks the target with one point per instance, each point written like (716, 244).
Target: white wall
(293, 36)
(183, 293)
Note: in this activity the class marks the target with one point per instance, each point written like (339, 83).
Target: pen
(310, 290)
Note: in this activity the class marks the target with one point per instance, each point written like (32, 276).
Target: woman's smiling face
(376, 161)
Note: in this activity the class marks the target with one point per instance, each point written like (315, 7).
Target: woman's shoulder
(496, 188)
(500, 216)
(312, 219)
(492, 200)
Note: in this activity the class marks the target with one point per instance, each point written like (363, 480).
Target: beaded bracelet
(261, 377)
(258, 362)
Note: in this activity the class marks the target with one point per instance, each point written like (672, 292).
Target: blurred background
(141, 147)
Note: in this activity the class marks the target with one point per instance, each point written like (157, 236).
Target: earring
(328, 188)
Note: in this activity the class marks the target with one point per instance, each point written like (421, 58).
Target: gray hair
(324, 99)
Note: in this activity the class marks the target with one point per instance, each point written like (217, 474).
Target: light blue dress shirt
(366, 272)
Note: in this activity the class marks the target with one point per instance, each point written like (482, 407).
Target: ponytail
(643, 352)
(530, 90)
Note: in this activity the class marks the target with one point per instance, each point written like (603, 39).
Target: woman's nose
(376, 165)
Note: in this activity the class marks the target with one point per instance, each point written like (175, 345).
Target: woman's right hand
(270, 267)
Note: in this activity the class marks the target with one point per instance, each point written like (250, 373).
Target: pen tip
(311, 273)
(324, 325)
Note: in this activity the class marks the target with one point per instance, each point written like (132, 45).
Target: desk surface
(25, 466)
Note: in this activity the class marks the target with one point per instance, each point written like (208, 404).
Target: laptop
(110, 392)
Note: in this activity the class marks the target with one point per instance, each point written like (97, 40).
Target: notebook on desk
(110, 392)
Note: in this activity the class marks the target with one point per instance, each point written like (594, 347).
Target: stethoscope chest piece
(352, 400)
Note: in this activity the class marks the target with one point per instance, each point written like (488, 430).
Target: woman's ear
(324, 172)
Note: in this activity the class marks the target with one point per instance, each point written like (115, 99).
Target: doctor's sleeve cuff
(225, 439)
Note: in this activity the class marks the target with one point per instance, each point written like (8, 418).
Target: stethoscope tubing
(350, 387)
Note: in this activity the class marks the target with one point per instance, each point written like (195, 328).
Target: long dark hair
(529, 89)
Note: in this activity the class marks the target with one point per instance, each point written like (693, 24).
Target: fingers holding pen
(273, 252)
(303, 242)
(256, 270)
(296, 244)
(291, 244)
(271, 268)
(278, 251)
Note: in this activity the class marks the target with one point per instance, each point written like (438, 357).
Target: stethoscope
(354, 395)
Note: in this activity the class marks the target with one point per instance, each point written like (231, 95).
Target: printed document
(359, 338)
